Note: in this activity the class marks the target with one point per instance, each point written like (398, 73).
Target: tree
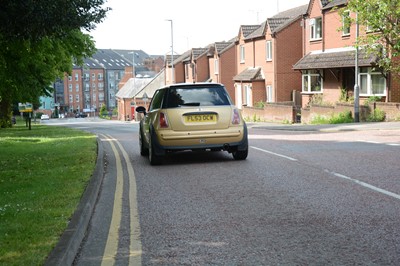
(380, 20)
(39, 41)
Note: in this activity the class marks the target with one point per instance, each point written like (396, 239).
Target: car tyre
(153, 158)
(240, 155)
(143, 150)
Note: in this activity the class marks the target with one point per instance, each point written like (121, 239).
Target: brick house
(265, 54)
(222, 65)
(328, 64)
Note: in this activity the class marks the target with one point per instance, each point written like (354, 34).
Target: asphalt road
(322, 195)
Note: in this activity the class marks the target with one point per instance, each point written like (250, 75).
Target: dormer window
(315, 28)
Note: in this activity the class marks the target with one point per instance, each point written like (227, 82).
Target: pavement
(68, 246)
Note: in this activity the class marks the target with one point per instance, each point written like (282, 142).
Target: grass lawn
(43, 174)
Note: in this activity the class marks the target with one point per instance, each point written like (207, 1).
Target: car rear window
(197, 96)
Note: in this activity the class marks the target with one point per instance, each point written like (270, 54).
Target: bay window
(312, 81)
(372, 82)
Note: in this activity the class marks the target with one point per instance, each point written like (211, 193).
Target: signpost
(26, 108)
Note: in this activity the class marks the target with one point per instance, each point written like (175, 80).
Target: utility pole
(356, 85)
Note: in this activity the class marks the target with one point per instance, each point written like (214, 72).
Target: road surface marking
(111, 248)
(135, 248)
(273, 153)
(377, 189)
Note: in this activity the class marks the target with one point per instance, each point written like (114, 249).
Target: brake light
(163, 120)
(236, 117)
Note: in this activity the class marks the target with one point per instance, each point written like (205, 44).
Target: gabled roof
(197, 52)
(279, 21)
(285, 18)
(221, 47)
(132, 87)
(326, 4)
(248, 29)
(335, 58)
(249, 74)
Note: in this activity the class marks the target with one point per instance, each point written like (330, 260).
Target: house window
(269, 93)
(77, 98)
(316, 28)
(216, 66)
(70, 87)
(71, 99)
(312, 81)
(372, 82)
(76, 76)
(100, 85)
(101, 97)
(94, 97)
(100, 76)
(346, 23)
(187, 71)
(69, 78)
(268, 50)
(242, 55)
(87, 86)
(77, 87)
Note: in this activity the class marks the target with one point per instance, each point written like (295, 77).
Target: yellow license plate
(200, 118)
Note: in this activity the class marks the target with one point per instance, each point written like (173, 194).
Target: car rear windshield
(197, 96)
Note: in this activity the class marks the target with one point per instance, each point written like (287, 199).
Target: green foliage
(377, 115)
(34, 54)
(259, 104)
(382, 18)
(40, 187)
(340, 118)
(372, 99)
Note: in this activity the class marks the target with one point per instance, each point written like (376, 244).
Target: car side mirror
(141, 109)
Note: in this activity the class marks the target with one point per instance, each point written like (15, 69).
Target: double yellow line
(135, 247)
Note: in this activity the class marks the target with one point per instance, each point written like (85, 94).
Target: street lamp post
(172, 52)
(356, 85)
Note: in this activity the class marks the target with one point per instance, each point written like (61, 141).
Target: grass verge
(43, 174)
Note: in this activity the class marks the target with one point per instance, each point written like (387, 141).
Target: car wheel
(153, 158)
(143, 150)
(240, 155)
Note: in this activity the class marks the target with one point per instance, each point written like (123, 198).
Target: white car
(44, 117)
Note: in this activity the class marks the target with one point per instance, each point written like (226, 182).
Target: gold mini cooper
(198, 116)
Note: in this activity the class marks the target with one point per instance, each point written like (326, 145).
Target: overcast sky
(144, 25)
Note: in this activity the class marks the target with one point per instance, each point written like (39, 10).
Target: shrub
(377, 115)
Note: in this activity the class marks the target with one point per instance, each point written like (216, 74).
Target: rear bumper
(231, 139)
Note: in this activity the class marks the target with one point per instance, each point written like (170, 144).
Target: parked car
(44, 117)
(77, 115)
(197, 116)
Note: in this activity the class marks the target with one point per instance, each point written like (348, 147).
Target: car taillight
(163, 120)
(236, 117)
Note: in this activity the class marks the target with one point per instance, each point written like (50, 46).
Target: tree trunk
(5, 113)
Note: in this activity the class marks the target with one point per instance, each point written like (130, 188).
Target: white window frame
(346, 29)
(316, 29)
(307, 85)
(216, 66)
(242, 53)
(269, 93)
(247, 89)
(371, 72)
(268, 50)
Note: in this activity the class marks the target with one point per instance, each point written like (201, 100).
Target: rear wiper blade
(191, 104)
